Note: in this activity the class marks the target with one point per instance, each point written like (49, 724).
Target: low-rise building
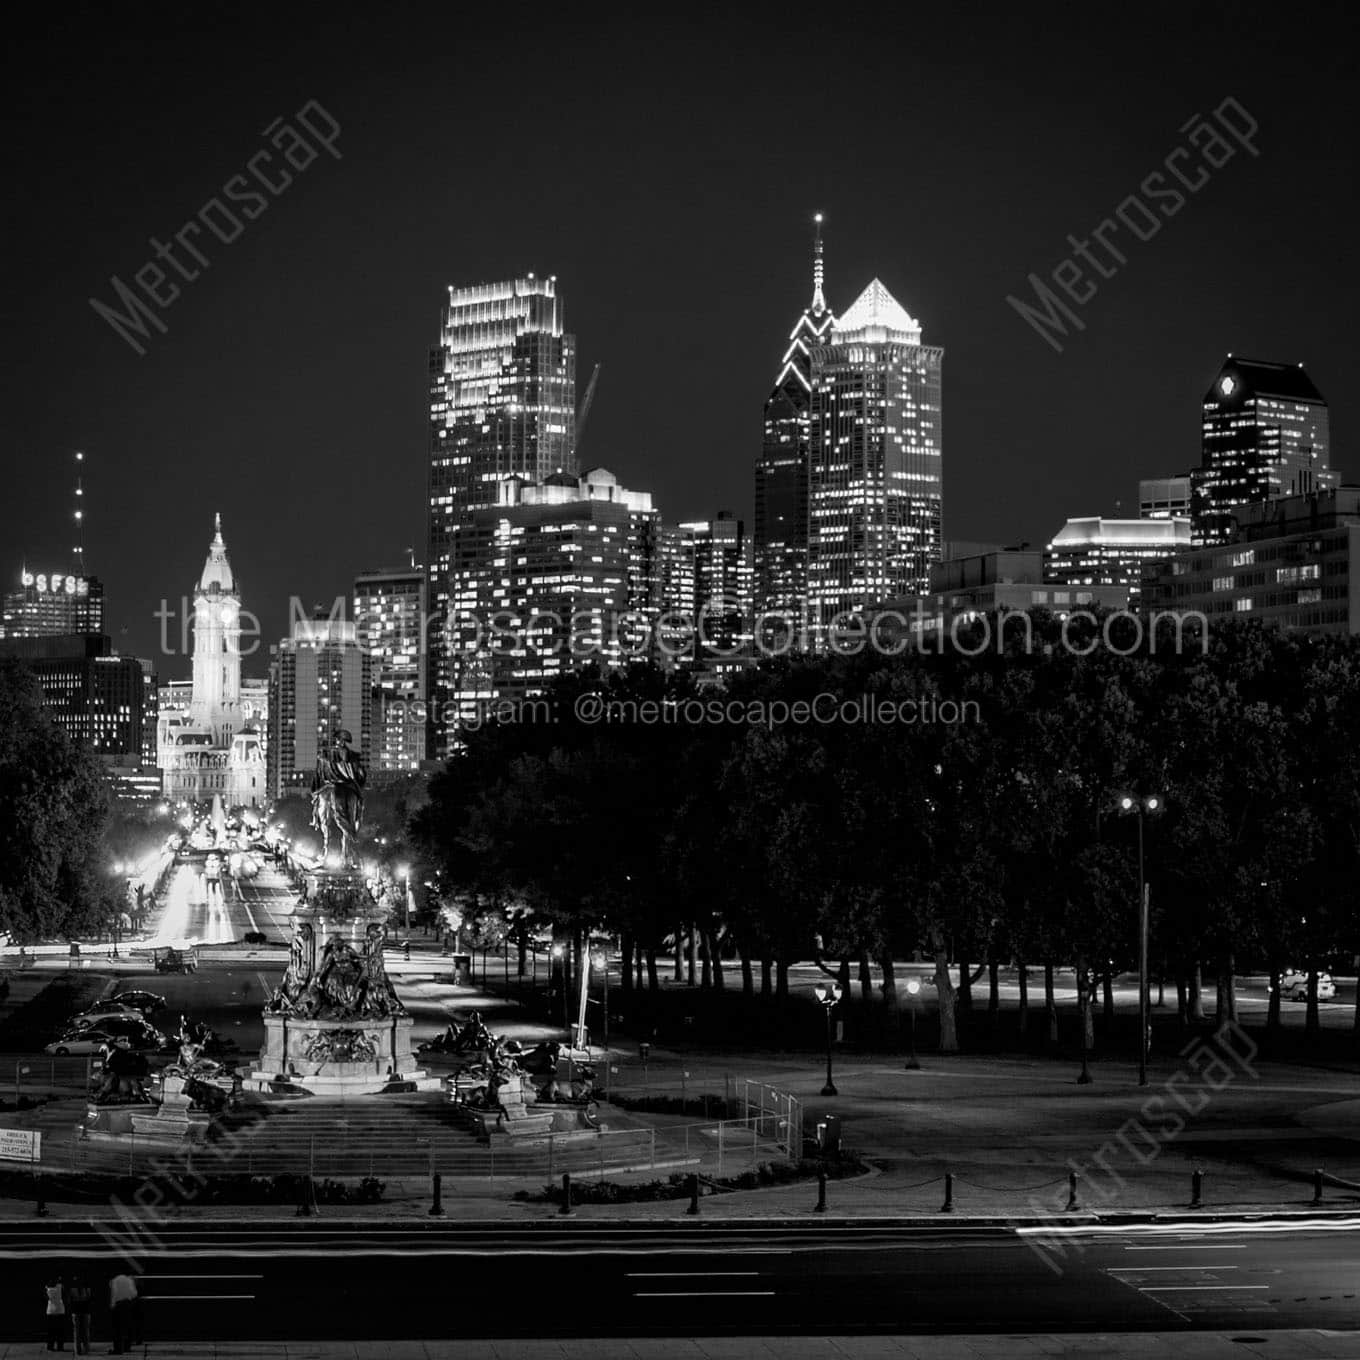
(1294, 562)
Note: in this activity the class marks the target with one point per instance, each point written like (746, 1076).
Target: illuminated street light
(828, 995)
(913, 991)
(1142, 806)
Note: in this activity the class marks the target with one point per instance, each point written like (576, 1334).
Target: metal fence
(776, 1113)
(720, 1147)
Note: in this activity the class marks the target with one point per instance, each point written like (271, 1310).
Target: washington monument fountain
(335, 1026)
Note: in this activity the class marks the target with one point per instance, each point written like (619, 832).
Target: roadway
(195, 910)
(291, 1279)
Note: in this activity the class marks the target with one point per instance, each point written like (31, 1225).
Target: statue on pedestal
(298, 974)
(338, 796)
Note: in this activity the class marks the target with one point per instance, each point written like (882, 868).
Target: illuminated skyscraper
(319, 684)
(875, 485)
(559, 574)
(389, 612)
(781, 522)
(1264, 435)
(706, 591)
(502, 404)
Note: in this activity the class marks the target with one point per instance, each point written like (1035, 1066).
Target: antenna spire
(818, 272)
(78, 553)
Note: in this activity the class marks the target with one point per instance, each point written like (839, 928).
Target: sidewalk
(1277, 1345)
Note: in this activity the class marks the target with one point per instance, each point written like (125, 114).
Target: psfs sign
(53, 584)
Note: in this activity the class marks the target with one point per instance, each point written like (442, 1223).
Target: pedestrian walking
(80, 1304)
(56, 1315)
(123, 1305)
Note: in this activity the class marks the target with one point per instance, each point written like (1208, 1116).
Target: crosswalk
(1193, 1279)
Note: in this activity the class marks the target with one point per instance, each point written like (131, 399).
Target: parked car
(1294, 986)
(97, 1015)
(147, 1003)
(86, 1042)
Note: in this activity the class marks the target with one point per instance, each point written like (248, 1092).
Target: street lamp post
(602, 963)
(404, 872)
(828, 995)
(555, 958)
(913, 991)
(1142, 806)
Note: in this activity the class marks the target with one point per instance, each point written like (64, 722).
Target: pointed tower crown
(876, 317)
(812, 328)
(217, 577)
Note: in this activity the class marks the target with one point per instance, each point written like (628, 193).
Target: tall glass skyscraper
(1264, 435)
(502, 404)
(875, 486)
(781, 520)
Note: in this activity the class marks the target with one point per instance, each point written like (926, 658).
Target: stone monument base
(170, 1124)
(515, 1116)
(329, 1057)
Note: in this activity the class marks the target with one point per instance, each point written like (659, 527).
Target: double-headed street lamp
(828, 994)
(913, 991)
(601, 961)
(1142, 806)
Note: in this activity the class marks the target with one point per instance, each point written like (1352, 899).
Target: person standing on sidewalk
(80, 1303)
(122, 1302)
(56, 1315)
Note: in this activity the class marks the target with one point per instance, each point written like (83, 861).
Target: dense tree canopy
(760, 839)
(55, 803)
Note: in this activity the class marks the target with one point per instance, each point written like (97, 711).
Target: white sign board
(20, 1145)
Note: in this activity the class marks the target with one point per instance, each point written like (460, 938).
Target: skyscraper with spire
(781, 519)
(875, 485)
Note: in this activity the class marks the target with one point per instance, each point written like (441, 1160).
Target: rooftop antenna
(78, 553)
(818, 271)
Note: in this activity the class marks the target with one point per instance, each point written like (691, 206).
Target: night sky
(665, 169)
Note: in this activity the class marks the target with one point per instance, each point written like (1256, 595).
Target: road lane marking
(1207, 1246)
(1146, 1270)
(687, 1274)
(1186, 1288)
(708, 1294)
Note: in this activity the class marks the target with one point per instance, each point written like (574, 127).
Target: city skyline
(305, 338)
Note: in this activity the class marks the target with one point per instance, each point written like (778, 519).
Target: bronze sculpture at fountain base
(335, 1026)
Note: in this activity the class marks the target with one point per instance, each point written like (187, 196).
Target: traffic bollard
(1072, 1192)
(821, 1192)
(1196, 1186)
(693, 1195)
(1317, 1187)
(565, 1209)
(437, 1208)
(948, 1206)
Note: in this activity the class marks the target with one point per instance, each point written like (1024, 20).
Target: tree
(54, 806)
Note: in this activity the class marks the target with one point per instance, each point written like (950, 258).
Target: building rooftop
(1264, 377)
(1098, 531)
(875, 317)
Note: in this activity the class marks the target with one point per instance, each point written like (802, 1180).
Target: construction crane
(585, 405)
